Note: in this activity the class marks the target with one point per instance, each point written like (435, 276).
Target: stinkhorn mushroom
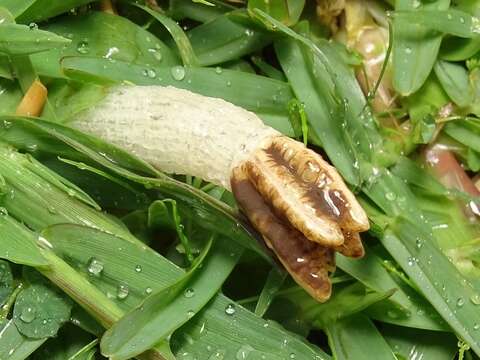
(294, 198)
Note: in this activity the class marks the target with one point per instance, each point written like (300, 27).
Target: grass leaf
(415, 47)
(163, 312)
(455, 82)
(181, 40)
(27, 40)
(357, 338)
(224, 39)
(14, 345)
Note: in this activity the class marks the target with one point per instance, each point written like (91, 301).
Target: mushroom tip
(303, 209)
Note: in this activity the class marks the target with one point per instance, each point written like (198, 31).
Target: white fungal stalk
(295, 199)
(176, 130)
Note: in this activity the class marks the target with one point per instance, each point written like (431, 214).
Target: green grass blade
(215, 333)
(103, 35)
(15, 346)
(224, 39)
(181, 40)
(466, 132)
(295, 63)
(180, 9)
(38, 10)
(455, 82)
(415, 48)
(276, 278)
(27, 40)
(119, 258)
(357, 338)
(453, 22)
(226, 84)
(39, 205)
(422, 344)
(401, 307)
(458, 49)
(162, 313)
(432, 272)
(288, 12)
(18, 245)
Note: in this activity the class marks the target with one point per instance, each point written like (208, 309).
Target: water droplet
(178, 73)
(138, 268)
(230, 309)
(189, 293)
(95, 267)
(475, 299)
(122, 292)
(449, 16)
(83, 47)
(243, 352)
(390, 196)
(218, 70)
(3, 211)
(420, 312)
(411, 261)
(408, 50)
(229, 83)
(460, 302)
(249, 32)
(28, 315)
(148, 290)
(419, 243)
(150, 73)
(111, 51)
(190, 313)
(292, 356)
(217, 355)
(6, 124)
(33, 26)
(416, 4)
(156, 54)
(462, 19)
(476, 326)
(393, 314)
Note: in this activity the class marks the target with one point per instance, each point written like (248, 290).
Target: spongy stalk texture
(177, 131)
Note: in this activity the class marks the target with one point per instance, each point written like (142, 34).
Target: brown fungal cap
(303, 209)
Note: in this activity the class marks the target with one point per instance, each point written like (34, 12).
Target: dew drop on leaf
(148, 290)
(460, 302)
(95, 267)
(217, 355)
(156, 54)
(218, 70)
(178, 73)
(189, 293)
(230, 309)
(419, 243)
(150, 73)
(475, 299)
(390, 196)
(28, 315)
(243, 352)
(122, 291)
(83, 47)
(33, 26)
